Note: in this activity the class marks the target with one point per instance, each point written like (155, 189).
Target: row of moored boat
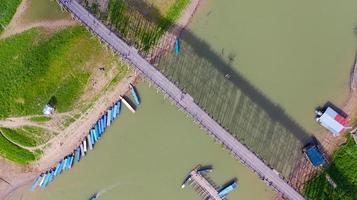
(94, 134)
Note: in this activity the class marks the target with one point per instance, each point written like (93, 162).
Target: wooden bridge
(182, 100)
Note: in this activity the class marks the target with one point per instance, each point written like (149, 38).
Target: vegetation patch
(27, 136)
(7, 11)
(134, 26)
(342, 171)
(36, 68)
(41, 119)
(15, 153)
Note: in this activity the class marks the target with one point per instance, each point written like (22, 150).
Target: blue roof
(315, 156)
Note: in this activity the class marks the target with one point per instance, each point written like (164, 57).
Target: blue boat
(105, 121)
(113, 114)
(61, 167)
(99, 128)
(135, 94)
(65, 163)
(92, 137)
(95, 137)
(115, 108)
(119, 105)
(101, 121)
(78, 154)
(93, 197)
(52, 175)
(177, 46)
(97, 131)
(57, 168)
(72, 161)
(223, 192)
(69, 162)
(37, 181)
(44, 184)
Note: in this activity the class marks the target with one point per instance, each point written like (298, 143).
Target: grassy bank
(135, 27)
(7, 10)
(26, 136)
(342, 171)
(15, 153)
(36, 67)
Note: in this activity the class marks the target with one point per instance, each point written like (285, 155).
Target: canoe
(71, 162)
(78, 154)
(44, 184)
(82, 150)
(65, 163)
(177, 46)
(85, 146)
(89, 141)
(112, 114)
(42, 179)
(37, 181)
(119, 106)
(92, 137)
(108, 117)
(134, 93)
(57, 168)
(102, 123)
(61, 167)
(52, 175)
(105, 121)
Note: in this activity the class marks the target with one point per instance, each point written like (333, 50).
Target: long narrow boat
(78, 154)
(89, 141)
(57, 168)
(105, 120)
(42, 179)
(92, 137)
(44, 184)
(115, 110)
(71, 162)
(102, 123)
(127, 104)
(119, 106)
(99, 125)
(135, 94)
(82, 150)
(108, 117)
(37, 181)
(52, 175)
(65, 161)
(60, 167)
(85, 145)
(177, 46)
(113, 114)
(95, 137)
(97, 130)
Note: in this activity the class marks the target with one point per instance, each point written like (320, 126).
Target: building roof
(334, 122)
(315, 156)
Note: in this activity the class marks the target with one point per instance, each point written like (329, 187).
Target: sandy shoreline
(71, 137)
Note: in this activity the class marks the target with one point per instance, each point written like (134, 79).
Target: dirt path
(17, 25)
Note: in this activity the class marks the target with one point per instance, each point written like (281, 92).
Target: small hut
(48, 109)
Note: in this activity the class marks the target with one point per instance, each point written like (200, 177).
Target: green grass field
(15, 153)
(35, 67)
(342, 170)
(7, 10)
(40, 119)
(26, 136)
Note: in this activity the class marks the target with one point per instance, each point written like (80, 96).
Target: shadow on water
(232, 100)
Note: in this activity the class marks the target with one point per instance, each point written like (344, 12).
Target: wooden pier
(181, 99)
(208, 191)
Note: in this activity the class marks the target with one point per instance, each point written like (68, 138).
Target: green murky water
(146, 156)
(297, 53)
